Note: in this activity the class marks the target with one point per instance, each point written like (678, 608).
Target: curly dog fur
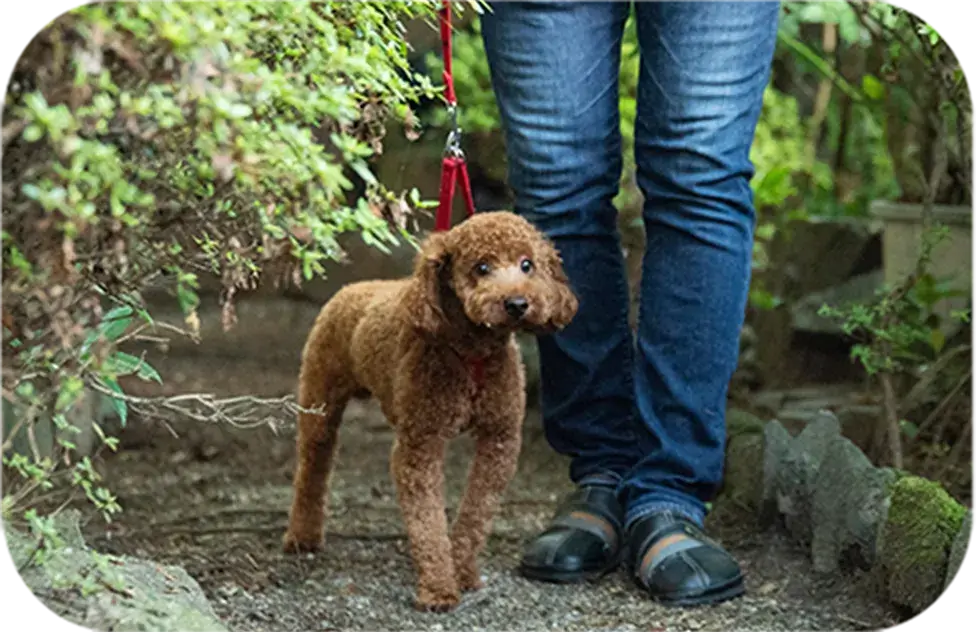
(438, 352)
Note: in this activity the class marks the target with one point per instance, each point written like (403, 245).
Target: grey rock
(119, 593)
(161, 598)
(849, 505)
(959, 546)
(776, 447)
(790, 470)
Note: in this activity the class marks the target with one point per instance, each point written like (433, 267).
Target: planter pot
(952, 258)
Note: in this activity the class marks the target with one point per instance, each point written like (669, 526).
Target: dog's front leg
(417, 464)
(495, 462)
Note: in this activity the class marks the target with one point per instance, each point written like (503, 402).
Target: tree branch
(243, 411)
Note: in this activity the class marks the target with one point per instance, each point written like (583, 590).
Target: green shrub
(146, 144)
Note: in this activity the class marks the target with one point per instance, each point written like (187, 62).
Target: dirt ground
(215, 501)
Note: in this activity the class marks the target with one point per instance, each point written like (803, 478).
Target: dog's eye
(482, 269)
(526, 265)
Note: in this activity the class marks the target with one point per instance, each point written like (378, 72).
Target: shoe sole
(727, 592)
(567, 577)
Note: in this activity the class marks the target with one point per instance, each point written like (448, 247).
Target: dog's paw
(469, 580)
(293, 544)
(437, 601)
(471, 585)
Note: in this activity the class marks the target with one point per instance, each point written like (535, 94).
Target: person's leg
(704, 67)
(554, 69)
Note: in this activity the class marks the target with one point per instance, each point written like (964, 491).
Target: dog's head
(495, 271)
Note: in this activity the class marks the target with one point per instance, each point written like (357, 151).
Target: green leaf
(33, 133)
(872, 87)
(186, 297)
(69, 393)
(766, 231)
(909, 429)
(115, 323)
(121, 363)
(761, 299)
(119, 404)
(937, 339)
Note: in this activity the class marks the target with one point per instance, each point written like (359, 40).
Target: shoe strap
(593, 510)
(596, 501)
(658, 529)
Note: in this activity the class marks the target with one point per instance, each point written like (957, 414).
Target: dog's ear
(563, 303)
(423, 295)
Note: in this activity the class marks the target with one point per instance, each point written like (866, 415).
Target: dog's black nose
(516, 306)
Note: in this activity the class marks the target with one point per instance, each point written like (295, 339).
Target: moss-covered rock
(739, 423)
(959, 546)
(743, 480)
(102, 592)
(916, 539)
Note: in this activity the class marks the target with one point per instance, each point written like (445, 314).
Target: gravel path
(215, 502)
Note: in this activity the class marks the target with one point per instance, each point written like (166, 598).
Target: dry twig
(243, 411)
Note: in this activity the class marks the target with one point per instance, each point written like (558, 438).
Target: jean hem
(685, 510)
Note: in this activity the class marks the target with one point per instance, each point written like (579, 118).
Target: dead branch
(243, 411)
(824, 92)
(893, 426)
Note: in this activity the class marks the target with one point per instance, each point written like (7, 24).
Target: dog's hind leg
(322, 383)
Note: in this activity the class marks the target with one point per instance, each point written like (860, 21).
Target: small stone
(767, 588)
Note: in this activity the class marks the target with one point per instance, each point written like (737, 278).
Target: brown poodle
(438, 352)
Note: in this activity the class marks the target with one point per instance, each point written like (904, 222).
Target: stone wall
(818, 486)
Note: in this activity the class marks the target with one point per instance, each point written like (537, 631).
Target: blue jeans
(647, 413)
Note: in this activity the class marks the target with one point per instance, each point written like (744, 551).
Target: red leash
(454, 168)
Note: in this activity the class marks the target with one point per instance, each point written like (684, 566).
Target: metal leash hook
(453, 145)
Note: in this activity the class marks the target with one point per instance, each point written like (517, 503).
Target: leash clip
(453, 146)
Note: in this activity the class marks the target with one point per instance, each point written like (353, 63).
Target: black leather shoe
(678, 564)
(582, 542)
